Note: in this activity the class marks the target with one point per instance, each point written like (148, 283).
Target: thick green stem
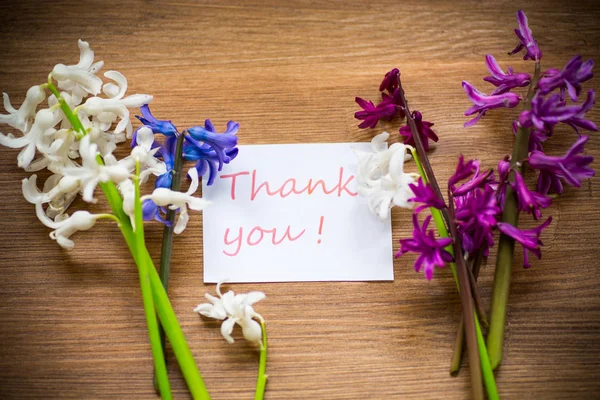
(486, 370)
(163, 307)
(506, 245)
(167, 242)
(261, 380)
(143, 266)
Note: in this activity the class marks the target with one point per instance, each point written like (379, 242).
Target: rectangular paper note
(290, 212)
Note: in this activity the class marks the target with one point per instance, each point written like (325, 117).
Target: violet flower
(572, 168)
(431, 250)
(529, 239)
(546, 113)
(475, 217)
(504, 81)
(569, 78)
(391, 81)
(482, 102)
(527, 42)
(425, 194)
(503, 172)
(210, 149)
(528, 200)
(424, 129)
(158, 126)
(463, 171)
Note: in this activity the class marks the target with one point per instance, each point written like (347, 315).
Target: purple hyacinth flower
(504, 169)
(482, 102)
(526, 40)
(546, 113)
(578, 120)
(150, 211)
(504, 81)
(529, 239)
(530, 201)
(424, 129)
(425, 194)
(158, 126)
(211, 149)
(466, 170)
(475, 216)
(572, 168)
(463, 171)
(370, 114)
(568, 79)
(431, 250)
(391, 81)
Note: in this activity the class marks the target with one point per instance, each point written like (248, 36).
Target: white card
(290, 212)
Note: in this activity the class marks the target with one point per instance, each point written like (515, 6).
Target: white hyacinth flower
(381, 177)
(44, 120)
(80, 79)
(107, 110)
(91, 173)
(66, 226)
(21, 118)
(163, 197)
(234, 309)
(145, 155)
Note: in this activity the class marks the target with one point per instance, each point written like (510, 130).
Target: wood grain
(71, 323)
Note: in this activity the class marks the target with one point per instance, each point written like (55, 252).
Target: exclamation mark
(320, 228)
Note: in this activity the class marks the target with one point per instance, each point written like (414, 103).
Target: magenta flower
(391, 81)
(463, 171)
(572, 168)
(529, 239)
(528, 200)
(424, 129)
(526, 40)
(370, 115)
(504, 81)
(482, 102)
(431, 250)
(503, 172)
(569, 78)
(476, 218)
(546, 113)
(425, 194)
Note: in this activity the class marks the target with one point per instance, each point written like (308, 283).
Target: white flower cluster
(72, 159)
(381, 177)
(234, 309)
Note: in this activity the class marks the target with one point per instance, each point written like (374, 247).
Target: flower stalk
(261, 380)
(167, 241)
(506, 245)
(478, 354)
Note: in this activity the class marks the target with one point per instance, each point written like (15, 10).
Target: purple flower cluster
(203, 144)
(549, 107)
(476, 205)
(389, 107)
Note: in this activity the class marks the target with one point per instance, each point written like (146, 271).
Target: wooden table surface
(72, 324)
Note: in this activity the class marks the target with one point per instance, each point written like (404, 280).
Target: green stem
(261, 381)
(71, 116)
(486, 370)
(163, 307)
(167, 242)
(506, 245)
(143, 267)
